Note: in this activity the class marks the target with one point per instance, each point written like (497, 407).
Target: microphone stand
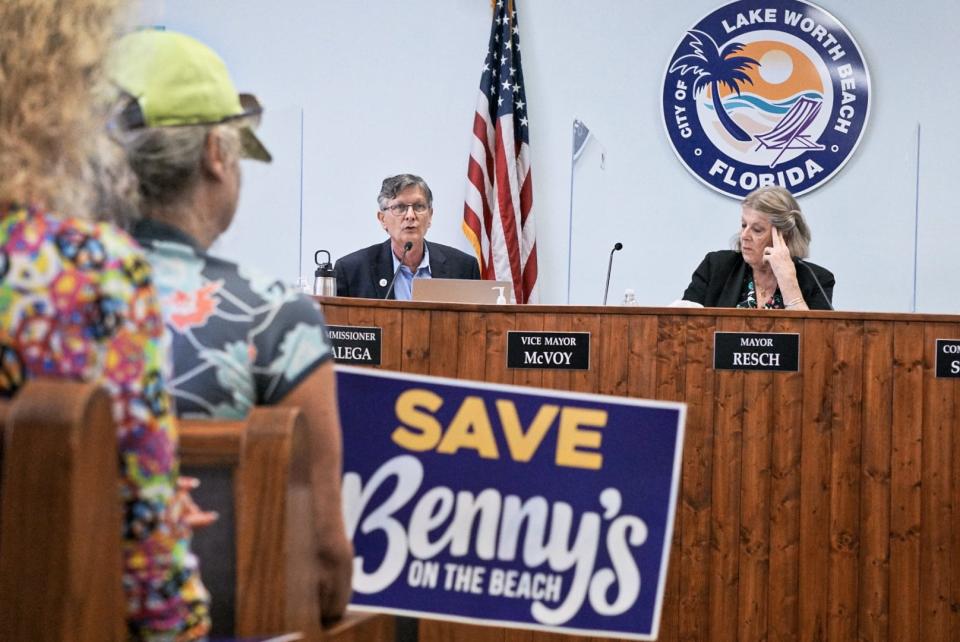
(406, 248)
(617, 246)
(817, 281)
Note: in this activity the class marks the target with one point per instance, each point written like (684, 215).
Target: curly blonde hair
(52, 103)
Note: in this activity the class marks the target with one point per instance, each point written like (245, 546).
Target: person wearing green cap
(239, 339)
(77, 300)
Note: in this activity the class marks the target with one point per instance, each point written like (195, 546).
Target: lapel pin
(383, 282)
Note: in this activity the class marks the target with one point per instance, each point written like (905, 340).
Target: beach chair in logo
(789, 132)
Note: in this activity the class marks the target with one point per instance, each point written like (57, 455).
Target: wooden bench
(60, 523)
(259, 560)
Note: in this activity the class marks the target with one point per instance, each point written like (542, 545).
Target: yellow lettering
(470, 428)
(523, 445)
(422, 431)
(573, 436)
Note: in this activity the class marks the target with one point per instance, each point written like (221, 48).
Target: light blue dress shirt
(403, 288)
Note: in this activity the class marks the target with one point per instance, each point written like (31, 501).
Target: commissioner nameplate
(508, 506)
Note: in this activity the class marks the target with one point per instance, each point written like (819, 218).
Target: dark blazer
(718, 282)
(360, 273)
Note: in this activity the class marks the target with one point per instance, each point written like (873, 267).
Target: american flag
(496, 213)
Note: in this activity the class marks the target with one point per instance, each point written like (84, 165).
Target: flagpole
(916, 221)
(573, 150)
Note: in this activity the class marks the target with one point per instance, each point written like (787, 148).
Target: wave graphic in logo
(761, 94)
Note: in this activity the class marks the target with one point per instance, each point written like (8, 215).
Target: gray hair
(784, 213)
(393, 185)
(167, 160)
(115, 186)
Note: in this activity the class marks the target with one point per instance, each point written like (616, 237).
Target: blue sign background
(640, 448)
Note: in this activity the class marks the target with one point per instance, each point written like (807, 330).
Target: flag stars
(506, 84)
(520, 104)
(500, 101)
(523, 121)
(513, 70)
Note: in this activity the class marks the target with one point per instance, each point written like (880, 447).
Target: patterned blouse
(240, 339)
(748, 295)
(76, 301)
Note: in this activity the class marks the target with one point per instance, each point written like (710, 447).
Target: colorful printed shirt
(76, 301)
(748, 295)
(239, 339)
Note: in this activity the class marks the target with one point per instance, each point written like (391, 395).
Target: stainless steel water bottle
(324, 279)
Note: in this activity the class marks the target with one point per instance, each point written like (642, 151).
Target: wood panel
(845, 480)
(905, 482)
(415, 338)
(498, 324)
(874, 602)
(814, 505)
(60, 555)
(938, 497)
(725, 516)
(754, 556)
(472, 347)
(696, 483)
(817, 359)
(444, 332)
(613, 377)
(784, 562)
(671, 339)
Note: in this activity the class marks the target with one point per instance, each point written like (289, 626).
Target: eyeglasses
(399, 209)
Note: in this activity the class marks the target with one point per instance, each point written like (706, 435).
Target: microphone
(606, 290)
(817, 281)
(406, 248)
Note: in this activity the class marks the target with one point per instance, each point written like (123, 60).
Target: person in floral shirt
(239, 339)
(77, 298)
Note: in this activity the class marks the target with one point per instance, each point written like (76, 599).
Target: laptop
(460, 290)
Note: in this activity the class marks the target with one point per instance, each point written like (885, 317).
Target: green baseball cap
(175, 80)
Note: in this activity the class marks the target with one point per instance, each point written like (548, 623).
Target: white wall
(385, 87)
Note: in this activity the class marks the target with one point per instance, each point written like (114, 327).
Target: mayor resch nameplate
(756, 351)
(548, 350)
(356, 344)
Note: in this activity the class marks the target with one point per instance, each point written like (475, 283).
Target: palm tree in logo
(714, 67)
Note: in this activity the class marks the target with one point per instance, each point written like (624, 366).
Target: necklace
(764, 294)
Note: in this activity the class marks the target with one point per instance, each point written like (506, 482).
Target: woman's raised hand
(778, 258)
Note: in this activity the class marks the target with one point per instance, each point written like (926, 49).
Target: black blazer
(360, 273)
(718, 282)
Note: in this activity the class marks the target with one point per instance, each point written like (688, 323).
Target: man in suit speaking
(406, 209)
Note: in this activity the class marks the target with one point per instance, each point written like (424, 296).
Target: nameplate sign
(356, 344)
(756, 351)
(548, 350)
(948, 358)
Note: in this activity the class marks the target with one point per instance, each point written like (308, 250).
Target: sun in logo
(760, 101)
